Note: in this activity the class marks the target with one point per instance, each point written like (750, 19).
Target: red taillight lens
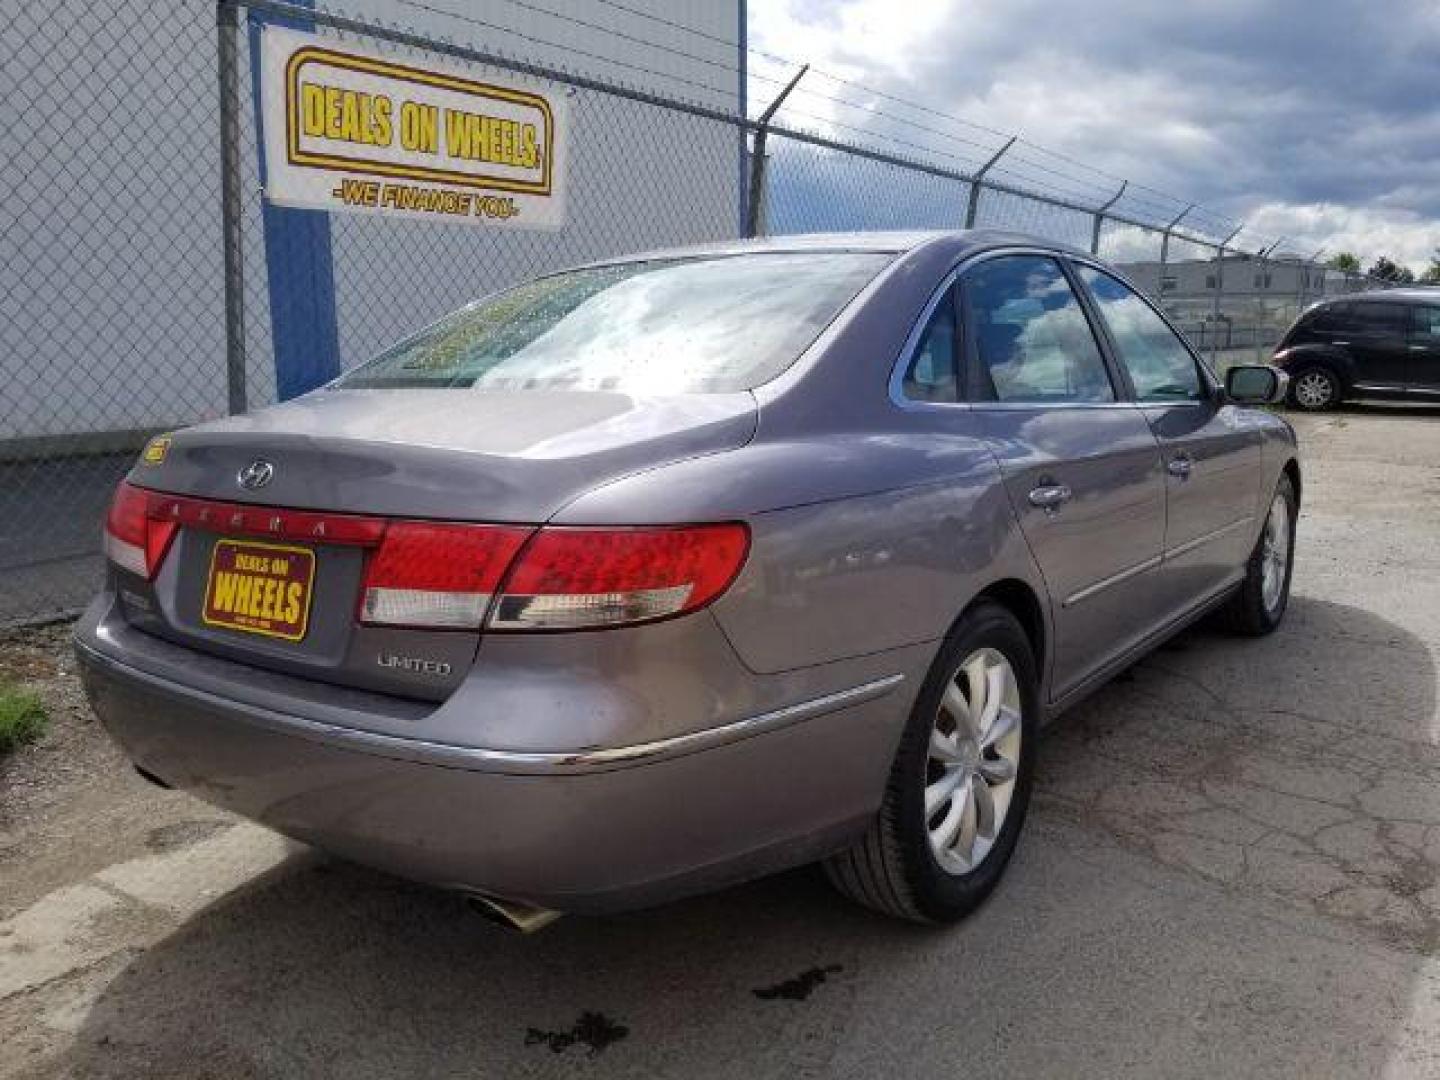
(443, 575)
(437, 575)
(134, 540)
(579, 578)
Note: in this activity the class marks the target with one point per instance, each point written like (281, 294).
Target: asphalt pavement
(1232, 868)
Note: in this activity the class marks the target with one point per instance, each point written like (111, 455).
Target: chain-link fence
(148, 282)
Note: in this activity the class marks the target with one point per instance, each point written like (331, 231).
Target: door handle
(1049, 497)
(1180, 466)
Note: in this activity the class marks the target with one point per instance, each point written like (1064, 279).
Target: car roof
(962, 241)
(1422, 295)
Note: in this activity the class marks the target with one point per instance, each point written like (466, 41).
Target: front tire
(960, 783)
(1315, 389)
(1258, 607)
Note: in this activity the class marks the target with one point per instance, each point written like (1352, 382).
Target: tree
(1432, 274)
(1387, 269)
(1346, 261)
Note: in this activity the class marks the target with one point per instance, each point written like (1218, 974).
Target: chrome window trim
(896, 385)
(1019, 406)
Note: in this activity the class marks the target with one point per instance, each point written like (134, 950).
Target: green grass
(22, 718)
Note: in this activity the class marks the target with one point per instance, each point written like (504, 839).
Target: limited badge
(155, 450)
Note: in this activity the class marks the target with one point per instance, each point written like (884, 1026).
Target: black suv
(1379, 345)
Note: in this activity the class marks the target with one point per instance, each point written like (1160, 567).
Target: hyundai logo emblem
(255, 475)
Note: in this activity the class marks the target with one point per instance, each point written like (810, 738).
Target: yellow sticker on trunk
(155, 450)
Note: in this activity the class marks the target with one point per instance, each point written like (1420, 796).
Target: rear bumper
(589, 831)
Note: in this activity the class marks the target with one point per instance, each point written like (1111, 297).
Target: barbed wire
(1135, 194)
(1027, 165)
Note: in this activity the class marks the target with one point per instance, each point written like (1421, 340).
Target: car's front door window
(1160, 366)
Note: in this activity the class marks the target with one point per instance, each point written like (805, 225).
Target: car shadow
(1384, 410)
(1299, 766)
(1142, 929)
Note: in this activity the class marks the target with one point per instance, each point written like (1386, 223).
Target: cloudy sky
(1318, 121)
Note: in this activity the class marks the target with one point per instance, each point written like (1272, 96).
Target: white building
(112, 303)
(1235, 275)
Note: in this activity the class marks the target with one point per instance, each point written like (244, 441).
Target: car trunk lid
(447, 454)
(341, 468)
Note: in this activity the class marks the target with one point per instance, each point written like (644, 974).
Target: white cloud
(1403, 235)
(1314, 121)
(827, 35)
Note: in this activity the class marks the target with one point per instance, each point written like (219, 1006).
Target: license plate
(260, 588)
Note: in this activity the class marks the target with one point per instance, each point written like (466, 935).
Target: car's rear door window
(1376, 319)
(710, 324)
(1031, 341)
(1160, 367)
(1425, 324)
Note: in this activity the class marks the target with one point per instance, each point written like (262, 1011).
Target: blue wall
(299, 269)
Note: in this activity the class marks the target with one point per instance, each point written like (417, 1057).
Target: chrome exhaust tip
(512, 914)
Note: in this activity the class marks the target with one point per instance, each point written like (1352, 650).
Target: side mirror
(1256, 384)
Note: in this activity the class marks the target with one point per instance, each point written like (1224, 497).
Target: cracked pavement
(1232, 867)
(1304, 766)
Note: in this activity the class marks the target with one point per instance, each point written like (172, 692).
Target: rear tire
(1258, 607)
(936, 865)
(1315, 389)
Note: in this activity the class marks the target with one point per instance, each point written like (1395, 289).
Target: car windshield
(695, 325)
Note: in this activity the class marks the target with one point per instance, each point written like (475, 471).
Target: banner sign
(348, 129)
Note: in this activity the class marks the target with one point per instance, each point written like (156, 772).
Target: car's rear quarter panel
(861, 542)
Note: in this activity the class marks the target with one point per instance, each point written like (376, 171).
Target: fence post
(1262, 315)
(1165, 246)
(757, 157)
(232, 203)
(1310, 264)
(1220, 288)
(1100, 217)
(973, 206)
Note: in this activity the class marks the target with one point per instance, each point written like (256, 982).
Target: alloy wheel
(973, 760)
(1275, 553)
(1314, 390)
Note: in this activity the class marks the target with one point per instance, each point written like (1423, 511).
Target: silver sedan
(662, 573)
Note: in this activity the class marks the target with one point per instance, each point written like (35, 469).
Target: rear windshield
(698, 325)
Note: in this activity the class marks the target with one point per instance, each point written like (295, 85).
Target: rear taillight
(134, 540)
(437, 575)
(582, 578)
(446, 575)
